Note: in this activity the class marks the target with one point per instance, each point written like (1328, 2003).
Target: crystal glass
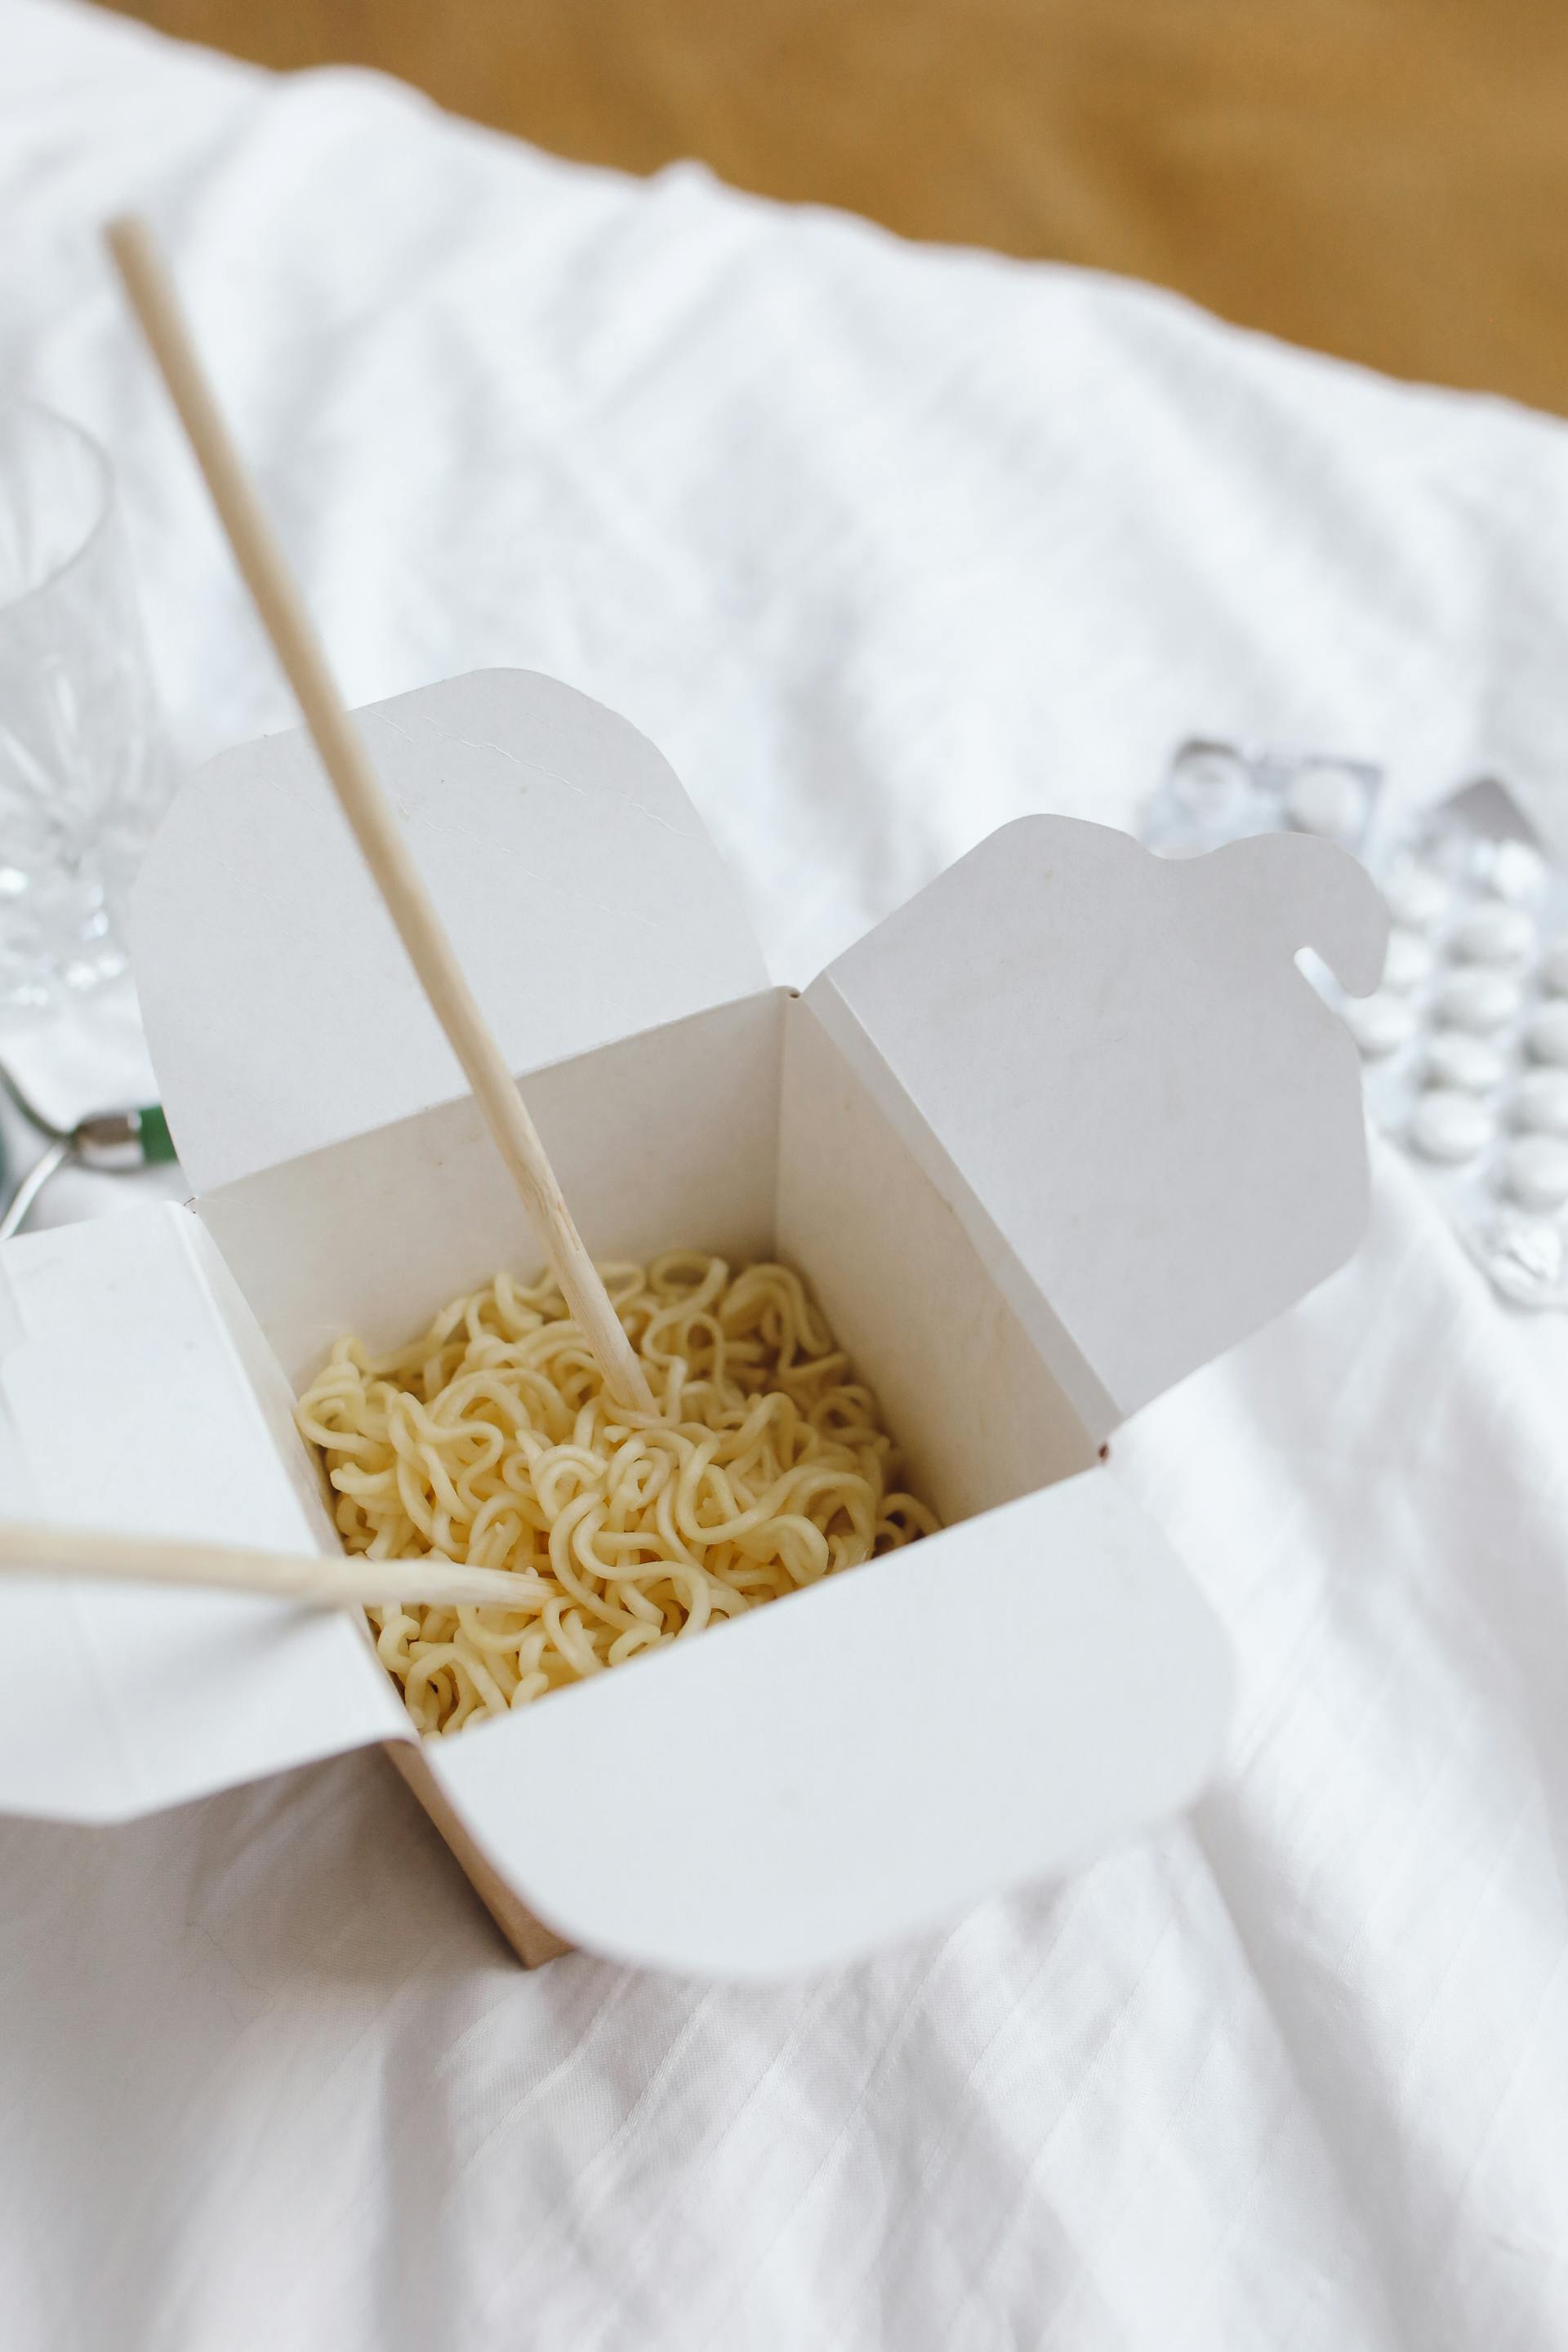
(83, 773)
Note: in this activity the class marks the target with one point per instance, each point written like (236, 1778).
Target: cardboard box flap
(136, 1394)
(866, 1759)
(584, 895)
(1146, 1116)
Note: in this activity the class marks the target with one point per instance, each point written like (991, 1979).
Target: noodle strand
(490, 1441)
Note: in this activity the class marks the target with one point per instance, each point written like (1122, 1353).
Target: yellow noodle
(490, 1441)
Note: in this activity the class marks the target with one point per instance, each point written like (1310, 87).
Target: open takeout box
(1069, 1124)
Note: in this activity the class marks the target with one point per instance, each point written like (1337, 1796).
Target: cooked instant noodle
(491, 1440)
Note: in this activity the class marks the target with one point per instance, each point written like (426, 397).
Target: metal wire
(32, 1184)
(29, 1111)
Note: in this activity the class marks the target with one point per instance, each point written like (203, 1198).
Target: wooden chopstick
(100, 1554)
(343, 755)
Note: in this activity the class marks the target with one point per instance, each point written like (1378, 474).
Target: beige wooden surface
(1384, 179)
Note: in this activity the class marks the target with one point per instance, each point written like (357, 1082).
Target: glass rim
(98, 457)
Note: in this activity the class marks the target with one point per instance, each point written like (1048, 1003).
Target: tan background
(1385, 178)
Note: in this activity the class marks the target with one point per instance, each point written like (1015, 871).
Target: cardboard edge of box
(1353, 936)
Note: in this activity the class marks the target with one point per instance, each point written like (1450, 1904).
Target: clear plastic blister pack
(1465, 1043)
(1219, 792)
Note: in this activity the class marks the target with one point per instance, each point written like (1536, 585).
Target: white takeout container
(1069, 1124)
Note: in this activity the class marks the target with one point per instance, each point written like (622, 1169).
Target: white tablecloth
(883, 547)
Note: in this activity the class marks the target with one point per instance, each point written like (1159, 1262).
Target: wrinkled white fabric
(883, 547)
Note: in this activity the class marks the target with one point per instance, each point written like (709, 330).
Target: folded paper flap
(140, 1397)
(1151, 1121)
(866, 1758)
(1292, 891)
(584, 896)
